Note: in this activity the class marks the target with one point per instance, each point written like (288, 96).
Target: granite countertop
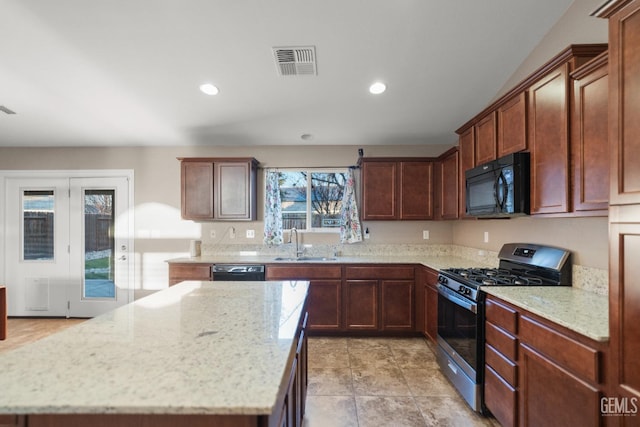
(434, 262)
(195, 348)
(581, 311)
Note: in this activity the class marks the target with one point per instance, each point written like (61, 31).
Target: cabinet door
(449, 183)
(549, 395)
(416, 190)
(188, 271)
(624, 128)
(431, 312)
(624, 311)
(512, 125)
(467, 161)
(501, 398)
(197, 190)
(233, 191)
(589, 143)
(486, 131)
(397, 305)
(325, 305)
(362, 304)
(548, 138)
(379, 186)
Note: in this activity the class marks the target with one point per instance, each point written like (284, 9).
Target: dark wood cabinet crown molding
(609, 8)
(573, 51)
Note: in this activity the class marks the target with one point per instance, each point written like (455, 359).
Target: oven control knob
(461, 289)
(442, 280)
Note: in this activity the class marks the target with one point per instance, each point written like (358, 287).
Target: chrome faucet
(298, 251)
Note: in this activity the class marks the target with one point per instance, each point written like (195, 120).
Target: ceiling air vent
(6, 110)
(296, 61)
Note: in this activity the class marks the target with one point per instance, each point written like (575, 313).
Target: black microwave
(499, 188)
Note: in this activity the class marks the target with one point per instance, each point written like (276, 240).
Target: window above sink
(312, 198)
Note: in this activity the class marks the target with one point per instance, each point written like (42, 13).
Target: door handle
(122, 258)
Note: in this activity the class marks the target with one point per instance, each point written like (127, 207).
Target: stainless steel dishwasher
(238, 272)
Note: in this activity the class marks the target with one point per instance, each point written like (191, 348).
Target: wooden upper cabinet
(448, 174)
(233, 198)
(512, 125)
(549, 141)
(486, 133)
(416, 190)
(624, 108)
(624, 198)
(466, 150)
(197, 190)
(379, 189)
(218, 188)
(589, 143)
(393, 189)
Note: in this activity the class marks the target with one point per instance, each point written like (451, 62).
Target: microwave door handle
(496, 192)
(501, 183)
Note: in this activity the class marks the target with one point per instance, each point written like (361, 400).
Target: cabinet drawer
(501, 341)
(285, 272)
(500, 398)
(571, 354)
(502, 365)
(190, 271)
(501, 315)
(371, 272)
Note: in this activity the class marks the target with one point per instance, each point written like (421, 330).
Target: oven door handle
(454, 298)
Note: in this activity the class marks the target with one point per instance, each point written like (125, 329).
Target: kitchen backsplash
(589, 279)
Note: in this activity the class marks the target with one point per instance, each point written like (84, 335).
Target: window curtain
(350, 229)
(272, 210)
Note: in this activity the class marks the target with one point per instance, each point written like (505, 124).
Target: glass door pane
(99, 248)
(38, 225)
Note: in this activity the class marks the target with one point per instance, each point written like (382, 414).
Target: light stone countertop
(195, 348)
(434, 262)
(581, 311)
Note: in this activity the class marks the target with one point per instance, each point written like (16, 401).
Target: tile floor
(380, 382)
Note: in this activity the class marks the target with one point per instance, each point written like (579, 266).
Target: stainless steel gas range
(460, 350)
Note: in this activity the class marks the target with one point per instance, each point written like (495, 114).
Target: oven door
(459, 339)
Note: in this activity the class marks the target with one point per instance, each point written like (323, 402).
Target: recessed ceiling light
(377, 88)
(209, 89)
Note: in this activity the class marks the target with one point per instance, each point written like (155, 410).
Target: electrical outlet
(251, 234)
(232, 233)
(486, 237)
(212, 234)
(425, 234)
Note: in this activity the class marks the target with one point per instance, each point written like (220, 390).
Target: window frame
(309, 171)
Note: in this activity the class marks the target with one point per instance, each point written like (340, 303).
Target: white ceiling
(126, 72)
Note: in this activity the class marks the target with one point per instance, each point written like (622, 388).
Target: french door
(67, 245)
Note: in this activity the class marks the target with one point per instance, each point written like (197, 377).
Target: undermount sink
(306, 258)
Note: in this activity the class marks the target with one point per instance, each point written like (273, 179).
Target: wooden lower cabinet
(12, 421)
(427, 303)
(361, 300)
(501, 397)
(380, 298)
(551, 395)
(325, 292)
(179, 272)
(355, 298)
(539, 374)
(397, 305)
(325, 302)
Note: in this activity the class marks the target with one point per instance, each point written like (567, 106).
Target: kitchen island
(197, 354)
